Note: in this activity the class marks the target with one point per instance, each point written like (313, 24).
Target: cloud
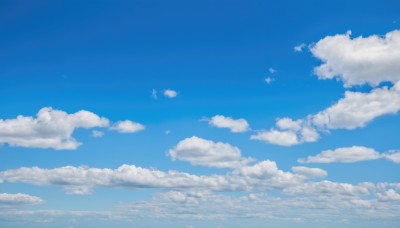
(235, 125)
(288, 133)
(97, 134)
(127, 126)
(357, 61)
(345, 154)
(393, 155)
(299, 48)
(353, 111)
(19, 199)
(327, 188)
(309, 172)
(199, 151)
(170, 93)
(262, 176)
(389, 195)
(276, 137)
(357, 109)
(50, 128)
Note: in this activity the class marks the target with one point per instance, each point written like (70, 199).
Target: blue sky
(199, 113)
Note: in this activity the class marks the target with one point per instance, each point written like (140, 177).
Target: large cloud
(264, 175)
(53, 128)
(200, 151)
(50, 129)
(355, 110)
(360, 60)
(235, 125)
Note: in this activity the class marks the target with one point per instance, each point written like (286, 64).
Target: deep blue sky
(107, 57)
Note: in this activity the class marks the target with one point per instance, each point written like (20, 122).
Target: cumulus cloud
(393, 155)
(357, 61)
(170, 93)
(19, 199)
(355, 110)
(276, 137)
(204, 152)
(50, 128)
(127, 126)
(262, 176)
(327, 188)
(309, 172)
(345, 154)
(288, 133)
(235, 125)
(389, 195)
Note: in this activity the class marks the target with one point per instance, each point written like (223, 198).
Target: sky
(199, 113)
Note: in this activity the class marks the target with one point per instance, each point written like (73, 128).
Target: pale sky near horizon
(199, 113)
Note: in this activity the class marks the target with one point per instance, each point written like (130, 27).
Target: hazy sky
(199, 113)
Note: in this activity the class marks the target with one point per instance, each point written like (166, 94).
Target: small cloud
(154, 94)
(127, 126)
(269, 80)
(97, 134)
(170, 93)
(204, 152)
(167, 132)
(272, 70)
(299, 48)
(235, 125)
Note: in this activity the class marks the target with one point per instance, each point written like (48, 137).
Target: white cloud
(235, 125)
(355, 110)
(127, 126)
(327, 188)
(389, 195)
(50, 129)
(309, 172)
(356, 61)
(170, 93)
(299, 48)
(97, 134)
(393, 156)
(199, 151)
(262, 176)
(276, 137)
(19, 199)
(346, 154)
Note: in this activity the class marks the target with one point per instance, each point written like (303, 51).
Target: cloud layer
(263, 175)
